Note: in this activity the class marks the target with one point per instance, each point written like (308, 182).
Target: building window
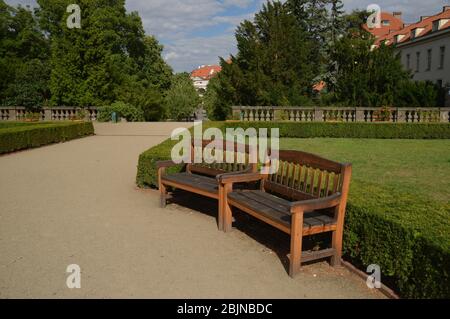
(441, 57)
(386, 23)
(417, 61)
(439, 83)
(408, 61)
(429, 56)
(435, 26)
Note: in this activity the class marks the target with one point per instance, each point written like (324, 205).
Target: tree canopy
(182, 99)
(108, 59)
(291, 46)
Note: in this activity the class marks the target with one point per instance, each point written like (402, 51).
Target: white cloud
(188, 53)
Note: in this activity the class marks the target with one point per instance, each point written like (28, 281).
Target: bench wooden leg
(337, 238)
(337, 245)
(162, 188)
(296, 244)
(163, 195)
(221, 203)
(226, 209)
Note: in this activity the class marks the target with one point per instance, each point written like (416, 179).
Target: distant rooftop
(427, 25)
(206, 72)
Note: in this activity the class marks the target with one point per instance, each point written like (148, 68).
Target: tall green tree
(313, 17)
(271, 66)
(182, 99)
(365, 76)
(108, 58)
(24, 53)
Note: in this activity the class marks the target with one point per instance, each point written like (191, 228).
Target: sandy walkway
(76, 203)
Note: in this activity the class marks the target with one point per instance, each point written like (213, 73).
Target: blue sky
(196, 32)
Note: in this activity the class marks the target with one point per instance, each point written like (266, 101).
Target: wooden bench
(306, 196)
(202, 178)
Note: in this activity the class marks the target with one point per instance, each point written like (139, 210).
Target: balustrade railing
(341, 114)
(19, 113)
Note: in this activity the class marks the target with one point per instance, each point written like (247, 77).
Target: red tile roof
(426, 24)
(206, 72)
(395, 24)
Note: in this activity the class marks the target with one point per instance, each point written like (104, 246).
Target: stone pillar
(318, 115)
(444, 115)
(359, 114)
(401, 115)
(12, 114)
(47, 114)
(277, 115)
(237, 113)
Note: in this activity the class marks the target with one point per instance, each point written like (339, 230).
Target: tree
(271, 66)
(365, 76)
(211, 99)
(312, 17)
(336, 21)
(108, 57)
(182, 99)
(24, 52)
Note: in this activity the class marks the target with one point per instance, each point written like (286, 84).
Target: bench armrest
(315, 204)
(165, 164)
(223, 175)
(239, 178)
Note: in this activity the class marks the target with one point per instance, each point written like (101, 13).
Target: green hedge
(406, 235)
(14, 137)
(147, 174)
(352, 130)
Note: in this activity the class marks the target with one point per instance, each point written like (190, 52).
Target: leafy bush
(417, 94)
(390, 228)
(18, 137)
(182, 99)
(122, 110)
(147, 174)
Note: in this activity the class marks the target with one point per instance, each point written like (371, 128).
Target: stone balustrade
(18, 113)
(341, 114)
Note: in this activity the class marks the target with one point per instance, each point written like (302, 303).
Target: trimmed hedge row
(19, 137)
(406, 235)
(147, 173)
(351, 130)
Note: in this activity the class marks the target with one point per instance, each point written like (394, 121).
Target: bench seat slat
(192, 180)
(277, 209)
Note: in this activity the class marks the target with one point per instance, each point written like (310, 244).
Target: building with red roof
(389, 23)
(203, 74)
(424, 45)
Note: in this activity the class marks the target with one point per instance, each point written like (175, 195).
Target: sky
(197, 32)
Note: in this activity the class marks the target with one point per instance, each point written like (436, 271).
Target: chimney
(397, 14)
(445, 8)
(423, 18)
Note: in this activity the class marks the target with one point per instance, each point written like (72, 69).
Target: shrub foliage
(14, 137)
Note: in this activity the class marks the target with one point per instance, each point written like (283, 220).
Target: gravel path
(76, 203)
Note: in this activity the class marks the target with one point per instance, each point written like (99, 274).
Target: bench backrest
(303, 176)
(237, 150)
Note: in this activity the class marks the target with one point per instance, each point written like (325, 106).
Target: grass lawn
(405, 180)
